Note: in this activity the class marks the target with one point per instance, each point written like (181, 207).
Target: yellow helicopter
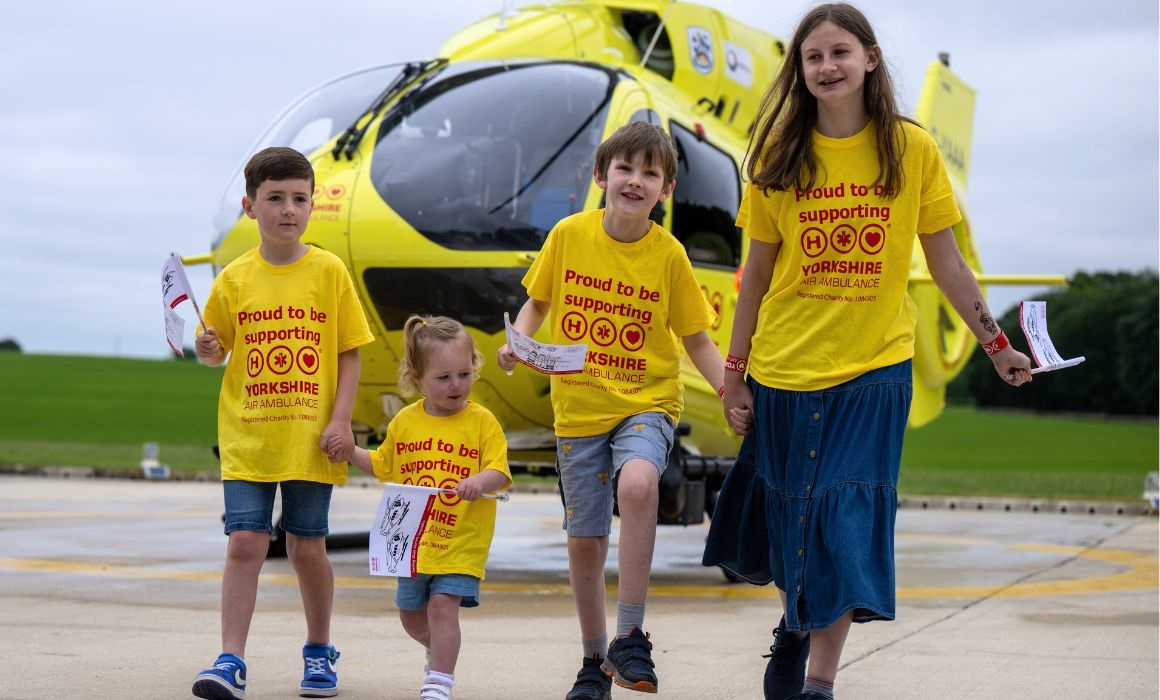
(438, 180)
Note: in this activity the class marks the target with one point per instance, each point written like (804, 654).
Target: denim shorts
(588, 467)
(305, 506)
(414, 593)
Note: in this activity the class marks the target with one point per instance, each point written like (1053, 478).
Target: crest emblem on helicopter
(701, 49)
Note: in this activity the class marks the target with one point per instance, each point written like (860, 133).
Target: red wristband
(736, 364)
(997, 344)
(721, 391)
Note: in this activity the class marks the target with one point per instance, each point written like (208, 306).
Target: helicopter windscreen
(489, 156)
(309, 122)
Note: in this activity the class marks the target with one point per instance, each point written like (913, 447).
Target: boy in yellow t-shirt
(615, 280)
(286, 316)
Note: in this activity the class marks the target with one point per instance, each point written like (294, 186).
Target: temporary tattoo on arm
(985, 319)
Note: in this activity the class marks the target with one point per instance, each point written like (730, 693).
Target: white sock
(446, 679)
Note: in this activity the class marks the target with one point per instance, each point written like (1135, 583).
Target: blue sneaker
(319, 679)
(227, 679)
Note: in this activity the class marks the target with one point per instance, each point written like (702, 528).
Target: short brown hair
(276, 163)
(639, 137)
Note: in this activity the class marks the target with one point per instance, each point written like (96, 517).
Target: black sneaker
(630, 663)
(591, 683)
(785, 674)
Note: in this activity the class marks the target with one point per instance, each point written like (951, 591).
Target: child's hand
(738, 405)
(1013, 366)
(207, 345)
(333, 447)
(740, 419)
(337, 441)
(469, 489)
(506, 359)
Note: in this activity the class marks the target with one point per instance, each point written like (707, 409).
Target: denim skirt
(810, 503)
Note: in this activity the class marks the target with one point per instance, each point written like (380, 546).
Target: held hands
(1013, 366)
(738, 404)
(337, 441)
(506, 359)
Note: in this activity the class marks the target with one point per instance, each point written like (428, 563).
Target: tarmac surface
(110, 588)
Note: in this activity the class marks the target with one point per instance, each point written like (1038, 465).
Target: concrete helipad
(109, 588)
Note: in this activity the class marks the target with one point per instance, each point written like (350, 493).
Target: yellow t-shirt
(630, 302)
(440, 451)
(837, 305)
(284, 326)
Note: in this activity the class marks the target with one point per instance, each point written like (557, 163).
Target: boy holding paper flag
(285, 320)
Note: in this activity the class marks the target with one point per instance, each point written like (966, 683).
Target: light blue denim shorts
(305, 507)
(414, 593)
(588, 467)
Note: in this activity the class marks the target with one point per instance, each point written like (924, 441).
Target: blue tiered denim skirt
(810, 503)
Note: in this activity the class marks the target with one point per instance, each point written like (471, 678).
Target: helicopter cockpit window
(311, 121)
(705, 201)
(489, 156)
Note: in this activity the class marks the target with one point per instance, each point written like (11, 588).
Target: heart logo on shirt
(633, 337)
(873, 239)
(308, 360)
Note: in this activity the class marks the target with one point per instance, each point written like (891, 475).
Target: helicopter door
(705, 205)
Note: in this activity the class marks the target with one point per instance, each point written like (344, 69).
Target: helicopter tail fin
(946, 108)
(942, 343)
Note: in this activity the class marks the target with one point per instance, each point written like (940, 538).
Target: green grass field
(979, 453)
(97, 412)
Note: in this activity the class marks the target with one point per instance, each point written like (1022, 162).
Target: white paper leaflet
(542, 357)
(1033, 320)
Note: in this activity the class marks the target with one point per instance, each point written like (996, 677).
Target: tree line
(1111, 319)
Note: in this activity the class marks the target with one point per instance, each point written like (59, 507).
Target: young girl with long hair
(841, 186)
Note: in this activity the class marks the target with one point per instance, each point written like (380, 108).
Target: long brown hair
(781, 154)
(420, 333)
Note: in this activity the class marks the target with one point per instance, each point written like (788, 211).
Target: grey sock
(595, 647)
(819, 686)
(628, 618)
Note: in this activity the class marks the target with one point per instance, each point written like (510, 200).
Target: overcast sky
(122, 122)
